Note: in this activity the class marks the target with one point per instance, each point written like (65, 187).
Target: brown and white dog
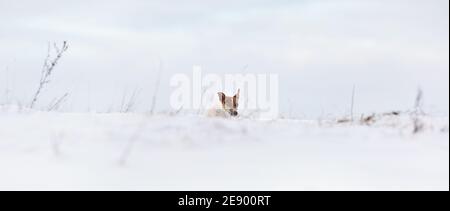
(227, 106)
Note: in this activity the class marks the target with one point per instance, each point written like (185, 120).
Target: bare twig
(368, 120)
(392, 113)
(343, 120)
(122, 104)
(353, 103)
(131, 102)
(418, 102)
(158, 81)
(48, 68)
(58, 102)
(178, 111)
(418, 124)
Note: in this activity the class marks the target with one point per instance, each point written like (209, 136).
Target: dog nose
(234, 113)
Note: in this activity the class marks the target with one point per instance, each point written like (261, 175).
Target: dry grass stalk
(48, 68)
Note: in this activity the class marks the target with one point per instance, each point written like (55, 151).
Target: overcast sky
(319, 48)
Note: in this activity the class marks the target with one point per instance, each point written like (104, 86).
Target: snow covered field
(69, 151)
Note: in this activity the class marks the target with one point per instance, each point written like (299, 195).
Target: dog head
(230, 104)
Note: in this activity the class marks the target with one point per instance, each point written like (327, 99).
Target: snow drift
(69, 151)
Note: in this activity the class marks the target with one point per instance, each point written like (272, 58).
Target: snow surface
(69, 151)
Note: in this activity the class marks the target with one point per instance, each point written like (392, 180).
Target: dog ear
(236, 98)
(238, 94)
(221, 97)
